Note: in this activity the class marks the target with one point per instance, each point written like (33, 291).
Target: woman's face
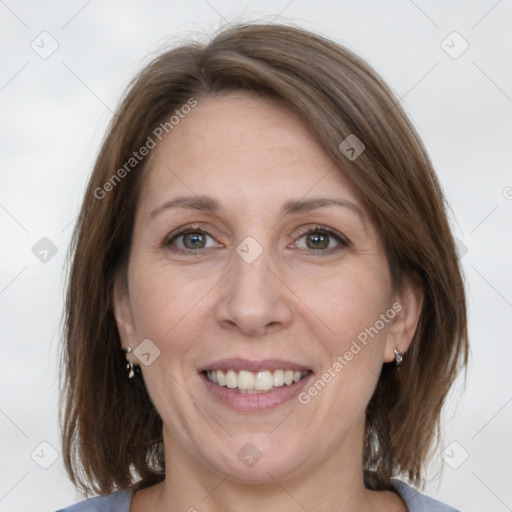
(267, 284)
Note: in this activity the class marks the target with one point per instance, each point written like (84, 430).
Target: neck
(335, 483)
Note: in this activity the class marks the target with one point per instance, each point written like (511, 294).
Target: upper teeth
(254, 381)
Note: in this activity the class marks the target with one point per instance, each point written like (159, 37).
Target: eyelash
(343, 243)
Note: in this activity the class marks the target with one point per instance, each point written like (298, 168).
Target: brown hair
(112, 434)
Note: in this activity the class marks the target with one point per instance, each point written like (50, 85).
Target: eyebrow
(207, 203)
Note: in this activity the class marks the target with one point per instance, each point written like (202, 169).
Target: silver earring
(129, 365)
(398, 357)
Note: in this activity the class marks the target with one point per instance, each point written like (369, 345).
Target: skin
(291, 303)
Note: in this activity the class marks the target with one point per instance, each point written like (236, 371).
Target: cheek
(156, 307)
(346, 303)
(334, 306)
(351, 338)
(353, 347)
(168, 306)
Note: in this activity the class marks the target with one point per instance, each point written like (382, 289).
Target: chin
(261, 473)
(259, 461)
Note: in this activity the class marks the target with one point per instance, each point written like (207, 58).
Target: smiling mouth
(247, 382)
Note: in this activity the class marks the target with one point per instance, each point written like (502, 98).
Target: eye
(193, 240)
(188, 240)
(320, 238)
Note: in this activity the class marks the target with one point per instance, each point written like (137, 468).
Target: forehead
(243, 143)
(240, 120)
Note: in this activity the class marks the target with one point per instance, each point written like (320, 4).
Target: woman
(265, 308)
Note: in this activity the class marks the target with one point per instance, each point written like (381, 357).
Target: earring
(398, 357)
(129, 365)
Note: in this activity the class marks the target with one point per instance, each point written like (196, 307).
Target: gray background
(54, 113)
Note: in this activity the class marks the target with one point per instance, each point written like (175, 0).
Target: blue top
(119, 501)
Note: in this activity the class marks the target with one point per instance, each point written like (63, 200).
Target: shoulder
(417, 502)
(118, 501)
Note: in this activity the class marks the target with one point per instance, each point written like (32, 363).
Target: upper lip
(254, 365)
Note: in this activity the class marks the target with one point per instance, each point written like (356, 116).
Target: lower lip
(255, 401)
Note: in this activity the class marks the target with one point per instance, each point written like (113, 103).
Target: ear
(407, 303)
(123, 314)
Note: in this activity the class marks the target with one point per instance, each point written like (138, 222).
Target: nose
(254, 299)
